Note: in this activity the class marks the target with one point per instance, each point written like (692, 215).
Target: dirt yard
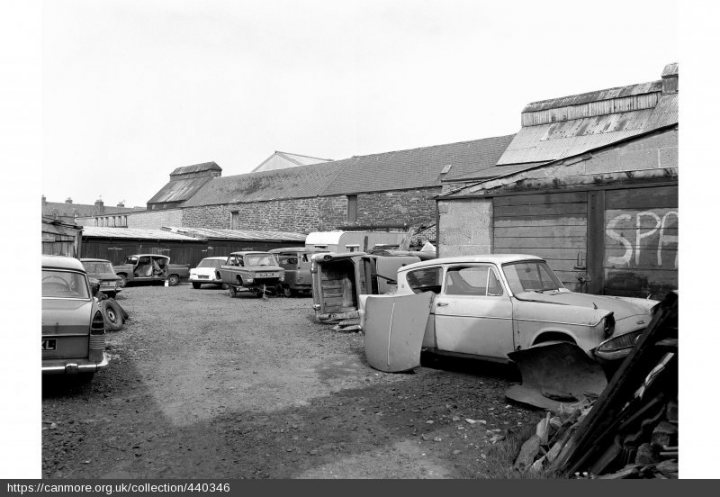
(203, 385)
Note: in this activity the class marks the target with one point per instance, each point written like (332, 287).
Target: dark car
(296, 262)
(102, 270)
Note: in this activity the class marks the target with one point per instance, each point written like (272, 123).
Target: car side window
(425, 280)
(472, 280)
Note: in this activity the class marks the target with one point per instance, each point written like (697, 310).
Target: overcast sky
(133, 89)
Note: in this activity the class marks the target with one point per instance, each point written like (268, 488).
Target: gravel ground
(203, 385)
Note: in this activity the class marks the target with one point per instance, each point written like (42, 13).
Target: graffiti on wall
(641, 238)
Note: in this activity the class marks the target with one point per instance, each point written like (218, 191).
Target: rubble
(631, 429)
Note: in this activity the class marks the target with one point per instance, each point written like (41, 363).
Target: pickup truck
(258, 272)
(150, 268)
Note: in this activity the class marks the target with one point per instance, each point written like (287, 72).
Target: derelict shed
(222, 242)
(60, 238)
(590, 183)
(115, 244)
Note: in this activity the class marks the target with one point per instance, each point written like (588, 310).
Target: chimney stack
(68, 200)
(670, 76)
(44, 201)
(121, 203)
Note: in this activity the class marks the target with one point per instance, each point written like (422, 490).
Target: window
(535, 276)
(64, 284)
(472, 280)
(425, 280)
(352, 208)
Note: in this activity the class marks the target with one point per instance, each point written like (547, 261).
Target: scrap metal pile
(631, 429)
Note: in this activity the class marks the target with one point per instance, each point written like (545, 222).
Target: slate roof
(403, 169)
(179, 190)
(288, 183)
(63, 209)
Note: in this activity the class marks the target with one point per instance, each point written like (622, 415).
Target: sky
(134, 89)
(103, 99)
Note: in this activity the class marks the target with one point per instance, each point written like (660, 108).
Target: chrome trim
(559, 322)
(71, 367)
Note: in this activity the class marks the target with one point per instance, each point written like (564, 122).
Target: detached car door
(473, 313)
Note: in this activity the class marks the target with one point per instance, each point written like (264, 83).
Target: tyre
(113, 315)
(224, 286)
(288, 292)
(196, 285)
(173, 280)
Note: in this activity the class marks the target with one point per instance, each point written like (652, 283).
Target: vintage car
(487, 306)
(150, 268)
(207, 272)
(73, 329)
(102, 270)
(296, 262)
(257, 272)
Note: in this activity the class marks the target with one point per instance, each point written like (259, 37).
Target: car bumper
(69, 366)
(204, 280)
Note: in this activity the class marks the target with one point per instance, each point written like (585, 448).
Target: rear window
(64, 284)
(211, 263)
(425, 280)
(98, 267)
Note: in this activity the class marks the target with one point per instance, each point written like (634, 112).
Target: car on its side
(73, 328)
(487, 306)
(207, 272)
(102, 270)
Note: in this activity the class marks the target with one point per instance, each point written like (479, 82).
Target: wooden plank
(523, 221)
(642, 198)
(576, 242)
(542, 198)
(540, 232)
(545, 253)
(540, 210)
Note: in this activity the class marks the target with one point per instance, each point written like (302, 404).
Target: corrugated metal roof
(288, 183)
(136, 233)
(594, 96)
(496, 171)
(179, 190)
(196, 168)
(242, 235)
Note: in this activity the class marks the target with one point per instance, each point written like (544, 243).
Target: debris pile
(631, 430)
(345, 322)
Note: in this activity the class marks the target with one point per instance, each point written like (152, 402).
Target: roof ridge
(427, 147)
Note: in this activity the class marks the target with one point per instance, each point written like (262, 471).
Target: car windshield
(211, 263)
(64, 284)
(260, 260)
(98, 267)
(531, 276)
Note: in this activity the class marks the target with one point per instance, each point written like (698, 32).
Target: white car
(487, 306)
(207, 272)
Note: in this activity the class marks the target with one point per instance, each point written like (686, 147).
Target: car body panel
(489, 326)
(296, 261)
(261, 272)
(207, 274)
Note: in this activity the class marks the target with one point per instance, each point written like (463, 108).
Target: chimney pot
(68, 200)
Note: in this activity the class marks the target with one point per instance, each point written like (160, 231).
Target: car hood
(66, 316)
(621, 307)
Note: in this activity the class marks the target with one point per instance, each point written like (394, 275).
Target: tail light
(97, 338)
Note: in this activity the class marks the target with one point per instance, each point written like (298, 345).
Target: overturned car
(488, 306)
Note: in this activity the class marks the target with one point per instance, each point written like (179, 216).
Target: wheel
(196, 285)
(224, 286)
(173, 280)
(123, 280)
(233, 292)
(287, 292)
(113, 315)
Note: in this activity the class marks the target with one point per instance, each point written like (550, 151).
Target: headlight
(609, 325)
(626, 341)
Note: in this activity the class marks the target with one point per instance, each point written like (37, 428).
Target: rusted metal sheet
(394, 328)
(591, 109)
(555, 375)
(595, 96)
(179, 190)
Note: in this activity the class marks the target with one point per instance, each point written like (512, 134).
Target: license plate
(48, 344)
(267, 275)
(203, 277)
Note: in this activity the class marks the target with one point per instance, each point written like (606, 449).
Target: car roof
(92, 259)
(296, 249)
(245, 252)
(150, 255)
(215, 258)
(62, 262)
(463, 259)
